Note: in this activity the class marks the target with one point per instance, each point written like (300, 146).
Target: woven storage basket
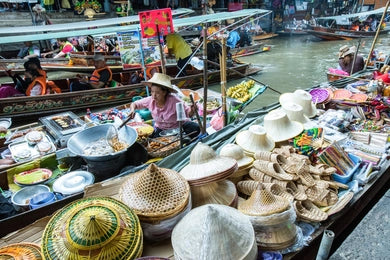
(155, 193)
(28, 251)
(96, 227)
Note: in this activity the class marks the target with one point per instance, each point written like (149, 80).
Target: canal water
(299, 62)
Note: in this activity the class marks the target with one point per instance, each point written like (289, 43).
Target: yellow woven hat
(206, 166)
(155, 193)
(237, 153)
(263, 203)
(216, 232)
(93, 228)
(222, 192)
(23, 250)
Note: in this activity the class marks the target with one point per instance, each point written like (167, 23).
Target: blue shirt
(233, 39)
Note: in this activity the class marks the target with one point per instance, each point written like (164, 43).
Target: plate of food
(34, 137)
(32, 177)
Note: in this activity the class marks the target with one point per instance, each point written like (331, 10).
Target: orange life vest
(42, 81)
(96, 76)
(149, 71)
(52, 88)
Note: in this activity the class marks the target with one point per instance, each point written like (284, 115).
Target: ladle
(113, 132)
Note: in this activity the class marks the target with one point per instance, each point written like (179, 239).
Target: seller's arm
(44, 55)
(139, 104)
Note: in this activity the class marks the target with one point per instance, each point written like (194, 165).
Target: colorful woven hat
(23, 250)
(216, 232)
(235, 151)
(222, 192)
(93, 228)
(155, 193)
(280, 127)
(206, 166)
(263, 203)
(255, 139)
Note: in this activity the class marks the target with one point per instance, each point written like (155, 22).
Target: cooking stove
(62, 126)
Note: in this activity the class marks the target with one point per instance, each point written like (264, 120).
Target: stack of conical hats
(97, 227)
(272, 218)
(244, 161)
(206, 174)
(156, 194)
(216, 232)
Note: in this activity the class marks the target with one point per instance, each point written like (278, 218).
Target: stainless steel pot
(104, 166)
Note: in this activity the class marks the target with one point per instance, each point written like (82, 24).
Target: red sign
(154, 21)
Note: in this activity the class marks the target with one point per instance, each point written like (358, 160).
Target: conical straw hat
(155, 193)
(23, 250)
(236, 152)
(255, 139)
(97, 227)
(302, 98)
(216, 232)
(162, 80)
(280, 127)
(222, 192)
(206, 165)
(263, 203)
(295, 113)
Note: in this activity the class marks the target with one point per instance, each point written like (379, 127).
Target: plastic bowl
(21, 198)
(42, 199)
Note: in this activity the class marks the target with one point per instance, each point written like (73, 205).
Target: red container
(234, 7)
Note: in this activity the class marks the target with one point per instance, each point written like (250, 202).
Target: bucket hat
(237, 153)
(161, 80)
(343, 49)
(155, 193)
(280, 127)
(255, 139)
(302, 98)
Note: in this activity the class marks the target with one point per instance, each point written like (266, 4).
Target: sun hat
(38, 8)
(161, 80)
(255, 139)
(295, 113)
(206, 166)
(237, 153)
(300, 97)
(348, 51)
(343, 49)
(222, 192)
(73, 182)
(216, 232)
(280, 127)
(98, 57)
(155, 193)
(22, 250)
(102, 227)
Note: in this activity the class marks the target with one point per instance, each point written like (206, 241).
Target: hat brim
(289, 98)
(149, 84)
(222, 192)
(294, 129)
(243, 139)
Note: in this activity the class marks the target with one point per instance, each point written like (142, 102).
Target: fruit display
(241, 91)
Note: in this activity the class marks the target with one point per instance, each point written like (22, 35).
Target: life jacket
(52, 88)
(73, 49)
(41, 80)
(149, 71)
(96, 76)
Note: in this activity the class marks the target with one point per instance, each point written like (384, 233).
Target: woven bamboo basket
(97, 227)
(165, 151)
(23, 250)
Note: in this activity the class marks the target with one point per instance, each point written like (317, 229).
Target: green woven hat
(93, 228)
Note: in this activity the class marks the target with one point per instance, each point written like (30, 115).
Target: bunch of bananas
(241, 91)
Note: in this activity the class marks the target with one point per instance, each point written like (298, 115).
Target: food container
(23, 151)
(21, 198)
(42, 199)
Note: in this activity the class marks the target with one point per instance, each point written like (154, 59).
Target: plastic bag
(217, 120)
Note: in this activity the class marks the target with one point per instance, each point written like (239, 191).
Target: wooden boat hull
(265, 36)
(331, 34)
(332, 77)
(53, 103)
(249, 50)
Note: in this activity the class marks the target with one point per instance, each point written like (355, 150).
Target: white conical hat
(280, 127)
(302, 98)
(237, 153)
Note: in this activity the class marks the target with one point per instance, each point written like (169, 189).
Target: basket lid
(216, 232)
(263, 203)
(100, 227)
(155, 192)
(21, 251)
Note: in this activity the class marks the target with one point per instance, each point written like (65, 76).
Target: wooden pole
(205, 78)
(355, 56)
(222, 62)
(377, 33)
(160, 43)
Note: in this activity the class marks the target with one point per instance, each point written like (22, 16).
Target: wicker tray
(154, 143)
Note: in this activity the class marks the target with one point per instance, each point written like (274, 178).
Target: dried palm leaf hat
(222, 192)
(280, 127)
(206, 166)
(302, 98)
(237, 153)
(216, 232)
(93, 228)
(255, 139)
(295, 113)
(263, 203)
(23, 250)
(155, 193)
(161, 80)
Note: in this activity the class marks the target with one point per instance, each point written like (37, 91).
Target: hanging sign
(155, 21)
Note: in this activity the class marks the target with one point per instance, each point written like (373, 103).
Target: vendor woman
(162, 105)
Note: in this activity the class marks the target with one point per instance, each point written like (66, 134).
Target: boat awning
(107, 26)
(345, 18)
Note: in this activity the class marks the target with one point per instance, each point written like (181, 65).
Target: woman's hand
(132, 111)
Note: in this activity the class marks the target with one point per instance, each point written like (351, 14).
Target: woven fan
(28, 251)
(263, 203)
(155, 193)
(97, 227)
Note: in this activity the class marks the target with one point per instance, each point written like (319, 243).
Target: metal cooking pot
(107, 165)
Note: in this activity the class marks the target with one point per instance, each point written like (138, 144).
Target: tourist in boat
(29, 50)
(245, 38)
(346, 57)
(40, 17)
(233, 39)
(162, 105)
(180, 49)
(64, 50)
(101, 76)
